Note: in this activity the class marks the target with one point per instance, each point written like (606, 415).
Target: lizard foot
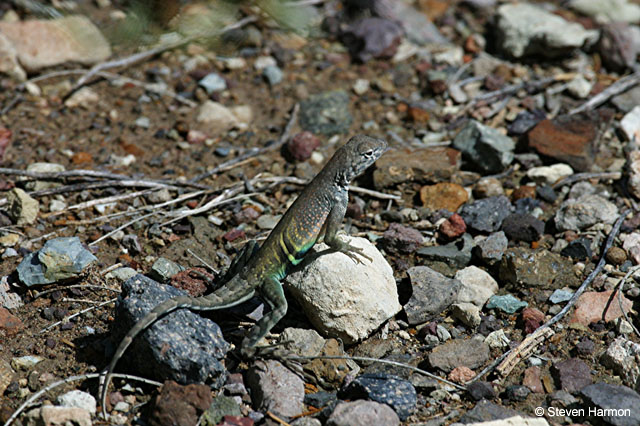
(277, 352)
(355, 253)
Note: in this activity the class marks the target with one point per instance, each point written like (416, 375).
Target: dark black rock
(546, 193)
(398, 393)
(320, 399)
(481, 390)
(432, 294)
(525, 121)
(485, 411)
(456, 254)
(487, 214)
(516, 392)
(181, 346)
(488, 324)
(525, 205)
(579, 249)
(622, 403)
(523, 227)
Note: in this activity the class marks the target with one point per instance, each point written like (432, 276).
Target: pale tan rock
(21, 207)
(9, 64)
(45, 43)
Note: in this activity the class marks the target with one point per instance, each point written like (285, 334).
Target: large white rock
(523, 30)
(345, 299)
(605, 11)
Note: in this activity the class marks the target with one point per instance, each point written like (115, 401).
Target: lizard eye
(368, 153)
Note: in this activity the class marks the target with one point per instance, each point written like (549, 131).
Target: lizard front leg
(272, 293)
(331, 229)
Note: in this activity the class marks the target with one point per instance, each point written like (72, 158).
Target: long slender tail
(209, 302)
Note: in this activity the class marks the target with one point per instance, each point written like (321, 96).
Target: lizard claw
(355, 253)
(277, 352)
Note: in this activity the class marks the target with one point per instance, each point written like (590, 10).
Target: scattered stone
(50, 415)
(471, 353)
(486, 215)
(569, 139)
(536, 268)
(488, 187)
(78, 399)
(326, 113)
(432, 294)
(579, 87)
(461, 375)
(59, 259)
(445, 195)
(485, 411)
(467, 313)
(628, 100)
(525, 30)
(164, 269)
(630, 124)
(181, 346)
(619, 405)
(268, 221)
(452, 228)
(476, 286)
(572, 374)
(273, 75)
(49, 42)
(604, 11)
(525, 121)
(402, 239)
(616, 47)
(84, 97)
(481, 390)
(631, 245)
(532, 318)
(302, 145)
(372, 37)
(213, 83)
(275, 388)
(560, 296)
(549, 174)
(579, 249)
(9, 64)
(216, 118)
(456, 254)
(179, 405)
(523, 227)
(21, 208)
(585, 347)
(484, 148)
(546, 193)
(25, 363)
(492, 248)
(507, 303)
(333, 283)
(9, 324)
(420, 165)
(516, 393)
(399, 394)
(497, 339)
(363, 413)
(620, 357)
(594, 306)
(532, 379)
(633, 166)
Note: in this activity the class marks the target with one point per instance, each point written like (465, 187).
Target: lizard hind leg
(242, 258)
(272, 293)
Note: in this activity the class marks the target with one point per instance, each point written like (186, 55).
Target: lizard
(316, 214)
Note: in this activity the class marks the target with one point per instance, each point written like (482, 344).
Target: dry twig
(65, 319)
(623, 84)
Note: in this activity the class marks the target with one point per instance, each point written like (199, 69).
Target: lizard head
(357, 155)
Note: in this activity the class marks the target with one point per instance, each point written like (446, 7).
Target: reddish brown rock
(532, 379)
(461, 374)
(569, 139)
(445, 195)
(524, 191)
(416, 165)
(453, 227)
(401, 238)
(193, 281)
(572, 374)
(302, 145)
(10, 323)
(180, 405)
(594, 306)
(532, 318)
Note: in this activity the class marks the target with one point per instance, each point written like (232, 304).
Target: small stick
(226, 197)
(91, 286)
(54, 385)
(277, 419)
(121, 227)
(578, 177)
(523, 350)
(623, 84)
(77, 314)
(204, 262)
(98, 201)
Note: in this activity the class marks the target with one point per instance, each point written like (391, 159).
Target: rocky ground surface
(509, 193)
